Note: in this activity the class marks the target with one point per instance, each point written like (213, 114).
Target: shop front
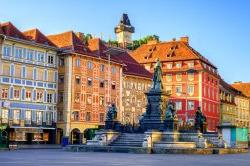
(32, 135)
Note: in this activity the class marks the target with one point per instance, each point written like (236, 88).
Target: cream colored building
(243, 107)
(28, 85)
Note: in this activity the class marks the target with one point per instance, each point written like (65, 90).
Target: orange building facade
(191, 79)
(87, 83)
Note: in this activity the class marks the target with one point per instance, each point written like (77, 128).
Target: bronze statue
(157, 78)
(112, 113)
(171, 112)
(200, 120)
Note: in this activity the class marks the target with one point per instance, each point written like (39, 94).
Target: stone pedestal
(155, 111)
(170, 136)
(112, 125)
(103, 138)
(171, 125)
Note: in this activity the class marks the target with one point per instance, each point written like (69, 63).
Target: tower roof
(124, 24)
(125, 20)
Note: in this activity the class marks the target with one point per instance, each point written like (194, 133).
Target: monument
(171, 120)
(154, 116)
(111, 122)
(159, 127)
(200, 121)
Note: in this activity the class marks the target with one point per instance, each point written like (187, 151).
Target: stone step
(133, 145)
(129, 139)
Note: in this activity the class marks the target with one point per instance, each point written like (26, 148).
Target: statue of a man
(171, 112)
(200, 119)
(157, 78)
(112, 113)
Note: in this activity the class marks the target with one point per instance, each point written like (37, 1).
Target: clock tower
(124, 31)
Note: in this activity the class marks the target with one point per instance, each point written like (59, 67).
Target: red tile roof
(243, 87)
(167, 51)
(10, 30)
(68, 41)
(38, 37)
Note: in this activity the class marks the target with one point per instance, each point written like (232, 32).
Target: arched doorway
(75, 136)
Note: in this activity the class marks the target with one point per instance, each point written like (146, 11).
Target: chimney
(185, 39)
(80, 35)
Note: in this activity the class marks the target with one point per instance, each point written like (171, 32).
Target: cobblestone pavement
(58, 157)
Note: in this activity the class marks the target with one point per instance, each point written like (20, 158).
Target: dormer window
(191, 65)
(169, 66)
(178, 65)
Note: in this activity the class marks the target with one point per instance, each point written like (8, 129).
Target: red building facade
(190, 78)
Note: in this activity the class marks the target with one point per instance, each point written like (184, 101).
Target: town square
(124, 82)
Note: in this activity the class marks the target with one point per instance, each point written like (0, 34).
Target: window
(78, 80)
(7, 50)
(16, 94)
(113, 85)
(178, 89)
(61, 61)
(89, 99)
(89, 82)
(39, 96)
(78, 63)
(169, 89)
(102, 67)
(90, 65)
(113, 70)
(101, 117)
(178, 65)
(169, 77)
(51, 59)
(178, 105)
(61, 79)
(16, 116)
(59, 115)
(169, 66)
(4, 93)
(190, 76)
(40, 57)
(102, 84)
(190, 89)
(88, 116)
(101, 100)
(28, 95)
(5, 115)
(27, 117)
(48, 118)
(77, 97)
(178, 77)
(60, 97)
(190, 105)
(39, 118)
(18, 52)
(49, 98)
(190, 64)
(30, 54)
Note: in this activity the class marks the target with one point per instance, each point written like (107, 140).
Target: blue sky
(218, 29)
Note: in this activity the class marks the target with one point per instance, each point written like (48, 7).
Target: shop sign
(29, 130)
